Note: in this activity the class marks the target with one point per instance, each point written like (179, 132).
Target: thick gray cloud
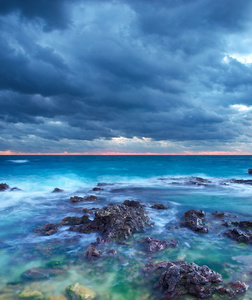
(138, 76)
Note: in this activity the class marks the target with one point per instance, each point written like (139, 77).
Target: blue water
(135, 178)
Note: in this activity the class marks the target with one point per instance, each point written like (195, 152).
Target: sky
(126, 76)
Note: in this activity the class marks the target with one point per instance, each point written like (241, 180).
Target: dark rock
(40, 273)
(112, 203)
(154, 245)
(222, 214)
(48, 229)
(133, 203)
(87, 210)
(250, 171)
(194, 219)
(4, 187)
(91, 198)
(198, 181)
(104, 184)
(92, 253)
(117, 221)
(57, 190)
(76, 199)
(233, 288)
(96, 189)
(15, 189)
(227, 223)
(159, 206)
(180, 277)
(241, 181)
(243, 224)
(75, 220)
(112, 252)
(239, 235)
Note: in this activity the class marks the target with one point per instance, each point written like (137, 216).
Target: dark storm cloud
(53, 14)
(92, 71)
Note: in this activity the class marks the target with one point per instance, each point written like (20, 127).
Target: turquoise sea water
(148, 179)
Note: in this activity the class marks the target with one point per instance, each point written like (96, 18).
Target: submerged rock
(76, 199)
(28, 293)
(250, 171)
(155, 245)
(4, 187)
(117, 221)
(96, 189)
(57, 190)
(92, 253)
(180, 277)
(159, 206)
(239, 235)
(80, 292)
(57, 298)
(91, 198)
(194, 219)
(48, 229)
(222, 214)
(15, 189)
(40, 273)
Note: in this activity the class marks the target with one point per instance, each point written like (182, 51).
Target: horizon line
(13, 153)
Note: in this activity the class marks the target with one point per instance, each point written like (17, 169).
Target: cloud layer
(125, 76)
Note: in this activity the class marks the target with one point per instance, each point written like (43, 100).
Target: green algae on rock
(28, 293)
(80, 292)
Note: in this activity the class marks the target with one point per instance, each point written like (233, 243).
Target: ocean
(179, 182)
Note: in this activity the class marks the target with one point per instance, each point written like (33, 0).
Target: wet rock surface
(218, 214)
(57, 190)
(195, 220)
(239, 235)
(4, 187)
(232, 289)
(48, 229)
(80, 292)
(76, 199)
(154, 245)
(97, 189)
(92, 253)
(180, 277)
(159, 206)
(117, 221)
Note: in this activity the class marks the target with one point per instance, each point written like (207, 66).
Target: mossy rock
(80, 292)
(28, 293)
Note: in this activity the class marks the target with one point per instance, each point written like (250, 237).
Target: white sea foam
(19, 161)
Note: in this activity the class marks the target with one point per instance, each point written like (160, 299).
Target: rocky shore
(121, 224)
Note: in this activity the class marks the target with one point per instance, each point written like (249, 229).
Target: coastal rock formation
(155, 245)
(180, 277)
(250, 171)
(57, 190)
(117, 221)
(239, 235)
(97, 189)
(79, 199)
(222, 214)
(48, 229)
(92, 253)
(195, 219)
(4, 187)
(159, 206)
(80, 292)
(76, 199)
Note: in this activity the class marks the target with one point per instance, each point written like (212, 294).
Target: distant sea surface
(170, 180)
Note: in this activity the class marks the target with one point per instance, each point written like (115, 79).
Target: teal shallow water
(134, 178)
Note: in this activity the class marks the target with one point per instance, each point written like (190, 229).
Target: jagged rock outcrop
(195, 220)
(155, 245)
